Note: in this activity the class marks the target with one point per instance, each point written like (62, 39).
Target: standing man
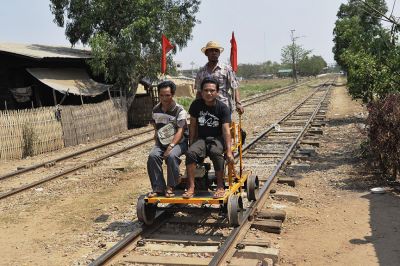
(209, 134)
(228, 83)
(165, 112)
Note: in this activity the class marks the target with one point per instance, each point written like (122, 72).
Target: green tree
(292, 54)
(366, 50)
(252, 70)
(311, 66)
(125, 35)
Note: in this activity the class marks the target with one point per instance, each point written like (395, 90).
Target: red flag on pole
(166, 47)
(233, 53)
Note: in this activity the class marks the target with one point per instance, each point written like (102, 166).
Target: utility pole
(293, 56)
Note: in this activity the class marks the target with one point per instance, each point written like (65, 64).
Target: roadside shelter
(35, 75)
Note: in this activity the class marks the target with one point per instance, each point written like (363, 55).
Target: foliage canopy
(293, 53)
(311, 66)
(125, 35)
(366, 50)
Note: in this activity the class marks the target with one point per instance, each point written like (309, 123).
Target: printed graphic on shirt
(208, 120)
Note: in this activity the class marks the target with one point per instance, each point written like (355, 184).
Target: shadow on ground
(385, 227)
(123, 228)
(384, 209)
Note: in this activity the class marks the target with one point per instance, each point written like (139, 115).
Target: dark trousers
(212, 147)
(154, 166)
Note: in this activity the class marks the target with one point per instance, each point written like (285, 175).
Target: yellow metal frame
(234, 178)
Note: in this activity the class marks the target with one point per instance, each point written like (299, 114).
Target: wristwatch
(172, 145)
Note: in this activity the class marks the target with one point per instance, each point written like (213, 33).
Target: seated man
(209, 134)
(167, 111)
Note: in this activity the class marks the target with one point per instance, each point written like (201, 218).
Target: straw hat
(212, 45)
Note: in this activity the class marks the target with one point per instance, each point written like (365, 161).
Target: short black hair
(209, 80)
(166, 84)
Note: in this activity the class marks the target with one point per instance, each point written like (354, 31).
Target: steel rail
(159, 220)
(123, 243)
(276, 92)
(65, 157)
(261, 97)
(80, 166)
(72, 169)
(223, 253)
(247, 146)
(62, 158)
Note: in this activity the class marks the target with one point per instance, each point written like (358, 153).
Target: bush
(185, 102)
(384, 133)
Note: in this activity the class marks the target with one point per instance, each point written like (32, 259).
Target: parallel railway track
(186, 235)
(81, 159)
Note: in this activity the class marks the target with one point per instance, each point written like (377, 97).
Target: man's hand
(239, 108)
(167, 152)
(229, 157)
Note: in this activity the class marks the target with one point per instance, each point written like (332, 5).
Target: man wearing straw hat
(228, 84)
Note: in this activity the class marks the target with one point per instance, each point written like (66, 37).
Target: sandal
(188, 195)
(169, 193)
(154, 194)
(219, 193)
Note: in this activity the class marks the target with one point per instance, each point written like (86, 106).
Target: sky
(262, 27)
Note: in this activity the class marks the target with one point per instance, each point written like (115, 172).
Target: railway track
(187, 235)
(86, 158)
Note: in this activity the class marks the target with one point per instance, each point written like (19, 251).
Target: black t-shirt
(209, 118)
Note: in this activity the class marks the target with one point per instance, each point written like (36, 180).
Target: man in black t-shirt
(209, 134)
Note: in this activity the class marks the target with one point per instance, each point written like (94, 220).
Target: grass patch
(252, 87)
(247, 88)
(185, 102)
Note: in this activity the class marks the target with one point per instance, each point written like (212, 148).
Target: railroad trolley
(236, 180)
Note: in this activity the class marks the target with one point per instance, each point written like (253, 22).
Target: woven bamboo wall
(140, 111)
(34, 131)
(29, 132)
(89, 122)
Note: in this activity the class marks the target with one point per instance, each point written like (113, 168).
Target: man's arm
(176, 139)
(234, 84)
(178, 136)
(197, 83)
(239, 107)
(226, 132)
(155, 131)
(192, 130)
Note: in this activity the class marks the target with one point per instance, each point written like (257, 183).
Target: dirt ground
(339, 222)
(72, 220)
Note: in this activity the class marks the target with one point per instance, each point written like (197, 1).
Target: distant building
(284, 73)
(34, 75)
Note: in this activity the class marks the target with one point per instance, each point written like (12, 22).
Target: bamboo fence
(34, 131)
(29, 132)
(140, 111)
(82, 124)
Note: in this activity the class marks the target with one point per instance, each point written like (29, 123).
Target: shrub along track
(82, 159)
(202, 236)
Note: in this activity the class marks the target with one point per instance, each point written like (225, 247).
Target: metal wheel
(145, 211)
(235, 210)
(253, 187)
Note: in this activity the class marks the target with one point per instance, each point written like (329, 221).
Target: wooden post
(81, 99)
(109, 94)
(5, 104)
(54, 97)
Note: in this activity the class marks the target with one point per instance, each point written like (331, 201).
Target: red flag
(166, 47)
(233, 53)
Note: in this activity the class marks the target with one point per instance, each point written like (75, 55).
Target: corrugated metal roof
(69, 80)
(41, 51)
(285, 70)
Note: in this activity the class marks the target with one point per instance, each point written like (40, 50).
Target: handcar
(236, 180)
